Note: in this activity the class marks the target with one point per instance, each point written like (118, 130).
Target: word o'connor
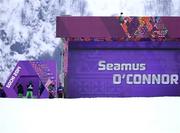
(146, 78)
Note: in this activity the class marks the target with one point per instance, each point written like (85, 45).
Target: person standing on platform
(20, 91)
(29, 93)
(60, 89)
(41, 89)
(2, 93)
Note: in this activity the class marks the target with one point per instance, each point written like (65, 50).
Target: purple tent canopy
(37, 72)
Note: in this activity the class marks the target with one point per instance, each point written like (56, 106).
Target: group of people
(30, 87)
(29, 92)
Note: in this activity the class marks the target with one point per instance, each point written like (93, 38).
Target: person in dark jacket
(41, 89)
(51, 89)
(2, 93)
(60, 91)
(20, 91)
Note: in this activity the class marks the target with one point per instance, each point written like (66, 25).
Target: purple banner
(112, 70)
(117, 28)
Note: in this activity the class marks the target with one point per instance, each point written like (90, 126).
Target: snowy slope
(27, 30)
(126, 115)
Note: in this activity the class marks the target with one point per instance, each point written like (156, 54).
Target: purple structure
(118, 28)
(121, 56)
(40, 73)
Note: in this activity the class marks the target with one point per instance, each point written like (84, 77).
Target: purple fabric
(84, 79)
(88, 27)
(173, 25)
(109, 27)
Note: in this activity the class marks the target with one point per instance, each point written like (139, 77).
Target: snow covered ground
(126, 115)
(36, 29)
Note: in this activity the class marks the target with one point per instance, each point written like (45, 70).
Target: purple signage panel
(123, 69)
